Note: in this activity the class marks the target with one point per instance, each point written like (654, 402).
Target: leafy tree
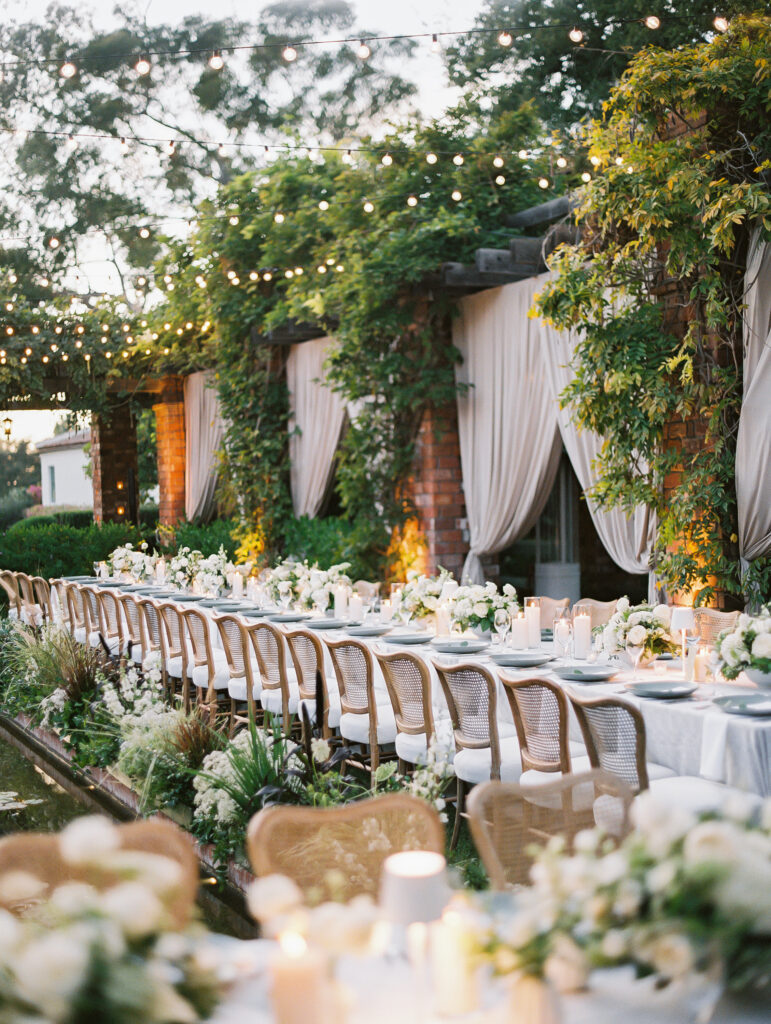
(569, 82)
(19, 466)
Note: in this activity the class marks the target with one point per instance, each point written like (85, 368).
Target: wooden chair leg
(459, 808)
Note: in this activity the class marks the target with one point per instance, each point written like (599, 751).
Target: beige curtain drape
(628, 539)
(507, 421)
(203, 438)
(318, 414)
(753, 446)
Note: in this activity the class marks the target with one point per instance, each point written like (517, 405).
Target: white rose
(480, 609)
(613, 944)
(663, 614)
(51, 970)
(321, 750)
(637, 635)
(761, 646)
(85, 840)
(622, 605)
(135, 907)
(660, 878)
(670, 955)
(273, 896)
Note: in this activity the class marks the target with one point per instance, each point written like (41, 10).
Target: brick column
(437, 491)
(170, 427)
(114, 464)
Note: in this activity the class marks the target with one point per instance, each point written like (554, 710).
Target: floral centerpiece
(135, 561)
(747, 648)
(183, 567)
(640, 625)
(421, 594)
(113, 954)
(316, 588)
(284, 580)
(474, 605)
(212, 572)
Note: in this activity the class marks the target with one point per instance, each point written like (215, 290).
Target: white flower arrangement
(640, 625)
(211, 573)
(136, 562)
(133, 697)
(183, 567)
(746, 646)
(421, 594)
(474, 606)
(307, 585)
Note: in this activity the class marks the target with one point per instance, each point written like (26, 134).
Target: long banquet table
(690, 736)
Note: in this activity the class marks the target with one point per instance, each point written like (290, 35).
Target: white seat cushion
(174, 667)
(413, 748)
(200, 675)
(113, 643)
(356, 727)
(273, 701)
(697, 795)
(658, 771)
(237, 688)
(80, 634)
(13, 613)
(334, 712)
(473, 765)
(33, 616)
(531, 777)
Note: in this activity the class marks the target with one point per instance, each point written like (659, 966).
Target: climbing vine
(656, 289)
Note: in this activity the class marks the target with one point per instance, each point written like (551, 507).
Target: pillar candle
(341, 601)
(582, 636)
(298, 982)
(238, 585)
(700, 662)
(533, 619)
(519, 631)
(442, 621)
(453, 977)
(448, 589)
(355, 608)
(386, 611)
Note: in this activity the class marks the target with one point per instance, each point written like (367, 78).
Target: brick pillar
(114, 463)
(170, 427)
(437, 490)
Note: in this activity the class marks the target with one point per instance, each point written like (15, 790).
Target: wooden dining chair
(210, 672)
(10, 585)
(31, 612)
(133, 627)
(307, 653)
(60, 610)
(408, 681)
(484, 748)
(710, 623)
(243, 688)
(600, 611)
(279, 692)
(176, 653)
(511, 821)
(313, 845)
(111, 621)
(41, 590)
(78, 613)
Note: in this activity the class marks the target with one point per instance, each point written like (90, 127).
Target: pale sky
(396, 17)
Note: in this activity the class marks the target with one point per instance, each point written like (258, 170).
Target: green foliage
(54, 549)
(12, 506)
(205, 537)
(672, 217)
(19, 467)
(330, 541)
(569, 83)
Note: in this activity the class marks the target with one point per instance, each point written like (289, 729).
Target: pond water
(55, 808)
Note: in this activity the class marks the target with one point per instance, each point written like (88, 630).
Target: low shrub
(52, 549)
(13, 505)
(204, 537)
(331, 541)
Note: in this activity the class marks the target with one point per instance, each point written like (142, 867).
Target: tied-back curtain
(317, 413)
(203, 438)
(507, 420)
(628, 539)
(753, 445)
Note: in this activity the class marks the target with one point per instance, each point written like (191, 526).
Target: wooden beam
(542, 214)
(459, 275)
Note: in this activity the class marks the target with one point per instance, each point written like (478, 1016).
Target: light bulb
(505, 38)
(188, 326)
(58, 329)
(22, 360)
(619, 161)
(278, 218)
(586, 176)
(167, 327)
(143, 323)
(216, 63)
(68, 69)
(233, 221)
(575, 35)
(141, 281)
(431, 158)
(330, 261)
(652, 22)
(288, 273)
(289, 54)
(179, 330)
(78, 344)
(45, 359)
(12, 278)
(347, 158)
(368, 207)
(235, 281)
(54, 347)
(323, 205)
(144, 232)
(721, 24)
(543, 182)
(339, 268)
(9, 306)
(412, 201)
(35, 329)
(523, 154)
(457, 195)
(142, 66)
(500, 180)
(299, 271)
(561, 161)
(267, 276)
(9, 331)
(321, 268)
(221, 151)
(436, 46)
(387, 160)
(498, 161)
(80, 329)
(254, 276)
(166, 280)
(54, 243)
(595, 161)
(363, 51)
(44, 282)
(458, 160)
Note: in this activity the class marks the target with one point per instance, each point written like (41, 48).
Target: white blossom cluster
(474, 605)
(421, 594)
(429, 779)
(308, 585)
(134, 561)
(748, 645)
(134, 696)
(183, 567)
(212, 572)
(639, 625)
(51, 705)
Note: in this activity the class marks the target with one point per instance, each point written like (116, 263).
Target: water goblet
(502, 623)
(635, 652)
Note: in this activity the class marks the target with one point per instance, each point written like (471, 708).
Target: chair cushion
(356, 727)
(32, 615)
(334, 712)
(658, 771)
(272, 701)
(80, 634)
(174, 667)
(413, 748)
(473, 765)
(698, 795)
(200, 675)
(237, 688)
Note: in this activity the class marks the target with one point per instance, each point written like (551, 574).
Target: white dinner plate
(751, 704)
(375, 629)
(409, 639)
(460, 646)
(583, 673)
(521, 659)
(254, 613)
(288, 616)
(663, 690)
(327, 623)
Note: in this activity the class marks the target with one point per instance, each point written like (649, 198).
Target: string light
(412, 200)
(523, 154)
(233, 221)
(575, 35)
(278, 218)
(652, 22)
(543, 182)
(594, 161)
(505, 38)
(216, 63)
(141, 281)
(363, 51)
(267, 276)
(142, 67)
(619, 160)
(347, 157)
(144, 232)
(323, 205)
(721, 23)
(457, 195)
(500, 180)
(368, 206)
(431, 158)
(53, 243)
(289, 54)
(436, 46)
(387, 160)
(586, 176)
(321, 268)
(68, 69)
(561, 161)
(498, 161)
(458, 160)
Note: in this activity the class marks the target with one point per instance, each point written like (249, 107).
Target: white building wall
(72, 486)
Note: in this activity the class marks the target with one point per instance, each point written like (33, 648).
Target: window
(52, 483)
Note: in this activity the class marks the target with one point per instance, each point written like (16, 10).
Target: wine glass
(285, 598)
(562, 633)
(635, 651)
(502, 623)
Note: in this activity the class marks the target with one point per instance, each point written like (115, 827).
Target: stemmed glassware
(502, 623)
(562, 632)
(635, 652)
